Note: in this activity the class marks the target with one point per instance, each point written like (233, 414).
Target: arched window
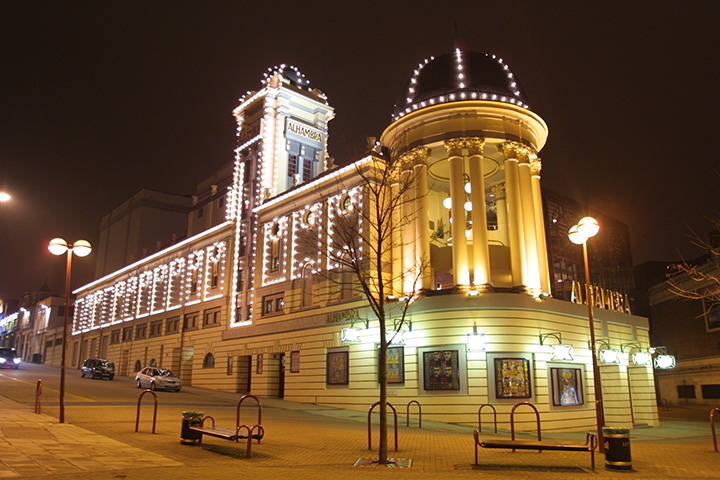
(209, 361)
(138, 365)
(153, 363)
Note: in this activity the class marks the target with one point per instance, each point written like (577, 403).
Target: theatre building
(250, 304)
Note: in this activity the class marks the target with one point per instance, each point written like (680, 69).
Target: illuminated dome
(459, 76)
(291, 73)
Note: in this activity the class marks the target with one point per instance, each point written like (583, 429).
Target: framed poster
(337, 368)
(259, 368)
(395, 364)
(441, 370)
(712, 317)
(512, 378)
(566, 384)
(295, 361)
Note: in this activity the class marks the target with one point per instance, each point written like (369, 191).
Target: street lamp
(4, 196)
(82, 248)
(579, 234)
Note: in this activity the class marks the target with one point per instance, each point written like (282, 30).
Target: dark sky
(100, 99)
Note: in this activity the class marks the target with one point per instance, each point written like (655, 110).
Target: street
(304, 441)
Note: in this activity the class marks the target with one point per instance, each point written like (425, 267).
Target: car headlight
(3, 359)
(16, 360)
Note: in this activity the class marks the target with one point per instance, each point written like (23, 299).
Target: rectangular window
(241, 280)
(710, 391)
(230, 365)
(141, 331)
(200, 212)
(211, 318)
(190, 322)
(214, 275)
(127, 334)
(274, 304)
(686, 391)
(243, 245)
(292, 165)
(172, 325)
(156, 328)
(115, 336)
(275, 257)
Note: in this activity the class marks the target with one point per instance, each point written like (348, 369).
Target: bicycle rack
(480, 418)
(38, 392)
(370, 426)
(407, 413)
(712, 426)
(137, 418)
(512, 420)
(259, 419)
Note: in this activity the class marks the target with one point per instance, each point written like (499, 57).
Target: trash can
(187, 435)
(617, 448)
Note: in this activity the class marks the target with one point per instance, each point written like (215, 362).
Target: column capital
(474, 145)
(535, 165)
(416, 156)
(455, 146)
(516, 150)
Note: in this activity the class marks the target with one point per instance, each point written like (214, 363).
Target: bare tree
(698, 280)
(360, 239)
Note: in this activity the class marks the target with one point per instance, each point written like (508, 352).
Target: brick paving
(311, 442)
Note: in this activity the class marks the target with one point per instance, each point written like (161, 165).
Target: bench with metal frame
(241, 432)
(590, 444)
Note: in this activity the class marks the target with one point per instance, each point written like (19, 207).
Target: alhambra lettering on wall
(603, 298)
(342, 316)
(304, 131)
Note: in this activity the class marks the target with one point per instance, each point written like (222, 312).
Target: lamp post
(82, 248)
(579, 234)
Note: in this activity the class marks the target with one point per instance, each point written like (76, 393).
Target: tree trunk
(382, 362)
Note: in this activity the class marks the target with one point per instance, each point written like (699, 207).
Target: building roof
(459, 76)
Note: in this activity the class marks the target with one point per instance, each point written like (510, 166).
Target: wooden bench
(241, 432)
(589, 446)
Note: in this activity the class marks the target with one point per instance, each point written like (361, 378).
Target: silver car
(157, 379)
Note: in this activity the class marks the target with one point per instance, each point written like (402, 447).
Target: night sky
(101, 99)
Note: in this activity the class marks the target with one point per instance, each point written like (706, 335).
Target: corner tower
(282, 142)
(463, 121)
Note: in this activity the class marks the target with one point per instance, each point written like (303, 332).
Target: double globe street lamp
(81, 248)
(579, 234)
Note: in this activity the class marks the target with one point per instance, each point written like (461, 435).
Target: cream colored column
(481, 254)
(408, 227)
(461, 269)
(530, 239)
(422, 229)
(396, 236)
(515, 223)
(544, 267)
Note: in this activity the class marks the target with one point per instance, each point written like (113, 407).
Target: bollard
(617, 448)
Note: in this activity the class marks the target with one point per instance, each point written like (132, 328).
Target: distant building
(689, 330)
(252, 303)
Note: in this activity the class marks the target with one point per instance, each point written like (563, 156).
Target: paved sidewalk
(314, 442)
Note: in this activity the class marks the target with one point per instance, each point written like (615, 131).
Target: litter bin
(187, 435)
(617, 448)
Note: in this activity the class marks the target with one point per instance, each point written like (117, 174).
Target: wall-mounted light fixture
(607, 355)
(396, 336)
(639, 357)
(352, 334)
(662, 360)
(475, 340)
(560, 351)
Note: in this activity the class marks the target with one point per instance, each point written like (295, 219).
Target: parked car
(157, 378)
(98, 368)
(9, 358)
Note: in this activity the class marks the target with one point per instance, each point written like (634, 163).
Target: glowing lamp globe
(588, 226)
(58, 246)
(82, 248)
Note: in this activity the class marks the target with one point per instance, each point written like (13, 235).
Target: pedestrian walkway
(313, 442)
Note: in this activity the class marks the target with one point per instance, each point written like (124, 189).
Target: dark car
(9, 358)
(98, 368)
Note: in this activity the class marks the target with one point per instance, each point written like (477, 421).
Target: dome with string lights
(456, 77)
